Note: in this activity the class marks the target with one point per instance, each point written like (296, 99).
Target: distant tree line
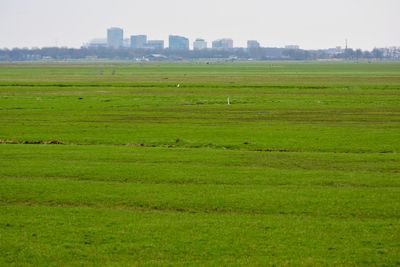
(56, 53)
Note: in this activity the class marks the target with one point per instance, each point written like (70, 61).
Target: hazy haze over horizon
(309, 23)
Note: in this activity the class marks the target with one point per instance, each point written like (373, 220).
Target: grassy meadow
(117, 164)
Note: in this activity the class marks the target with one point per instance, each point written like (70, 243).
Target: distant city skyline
(116, 39)
(311, 24)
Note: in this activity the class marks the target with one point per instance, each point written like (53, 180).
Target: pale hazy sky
(274, 23)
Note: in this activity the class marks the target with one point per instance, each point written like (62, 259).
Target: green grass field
(114, 164)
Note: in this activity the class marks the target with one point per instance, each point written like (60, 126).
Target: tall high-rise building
(253, 44)
(222, 44)
(138, 41)
(115, 37)
(199, 44)
(178, 43)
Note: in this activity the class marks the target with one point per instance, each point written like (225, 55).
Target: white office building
(199, 44)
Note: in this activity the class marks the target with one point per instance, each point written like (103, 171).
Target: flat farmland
(195, 164)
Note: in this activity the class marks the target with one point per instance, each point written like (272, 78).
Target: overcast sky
(274, 23)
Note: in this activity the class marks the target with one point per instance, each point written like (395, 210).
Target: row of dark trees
(55, 53)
